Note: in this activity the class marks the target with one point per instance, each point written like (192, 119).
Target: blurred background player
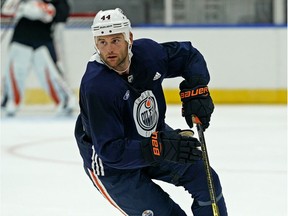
(38, 24)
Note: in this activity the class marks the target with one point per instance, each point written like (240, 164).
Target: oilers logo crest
(145, 113)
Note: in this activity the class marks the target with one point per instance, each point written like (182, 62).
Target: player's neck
(123, 67)
(123, 72)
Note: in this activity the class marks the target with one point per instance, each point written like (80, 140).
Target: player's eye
(116, 41)
(102, 42)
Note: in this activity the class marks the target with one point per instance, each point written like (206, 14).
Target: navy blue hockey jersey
(118, 111)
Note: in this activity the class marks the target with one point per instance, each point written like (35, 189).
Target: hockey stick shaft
(209, 177)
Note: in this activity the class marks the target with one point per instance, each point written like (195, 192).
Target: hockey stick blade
(209, 177)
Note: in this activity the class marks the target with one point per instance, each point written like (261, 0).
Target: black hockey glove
(196, 100)
(177, 145)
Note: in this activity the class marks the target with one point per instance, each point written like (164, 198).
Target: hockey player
(32, 45)
(121, 131)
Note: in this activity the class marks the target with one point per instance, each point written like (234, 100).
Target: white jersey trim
(97, 164)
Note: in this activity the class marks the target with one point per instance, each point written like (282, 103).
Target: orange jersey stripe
(14, 86)
(51, 88)
(104, 192)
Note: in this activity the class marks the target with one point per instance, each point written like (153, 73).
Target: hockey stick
(210, 183)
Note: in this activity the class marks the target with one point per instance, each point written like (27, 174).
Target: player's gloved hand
(196, 100)
(177, 145)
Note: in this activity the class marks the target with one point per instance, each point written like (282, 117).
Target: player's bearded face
(113, 51)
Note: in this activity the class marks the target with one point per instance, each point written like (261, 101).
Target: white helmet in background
(111, 22)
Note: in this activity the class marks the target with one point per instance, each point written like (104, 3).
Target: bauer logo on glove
(156, 146)
(196, 100)
(177, 146)
(201, 91)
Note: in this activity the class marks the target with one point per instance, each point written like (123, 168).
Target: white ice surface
(42, 175)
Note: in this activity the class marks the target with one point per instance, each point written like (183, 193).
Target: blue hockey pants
(134, 192)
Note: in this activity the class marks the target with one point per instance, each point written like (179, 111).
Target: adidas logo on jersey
(157, 76)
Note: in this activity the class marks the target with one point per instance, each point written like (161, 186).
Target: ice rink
(42, 175)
